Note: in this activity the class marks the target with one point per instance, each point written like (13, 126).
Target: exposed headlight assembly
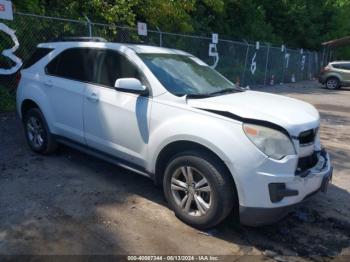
(271, 142)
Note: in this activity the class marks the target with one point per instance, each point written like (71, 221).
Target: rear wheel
(198, 189)
(333, 83)
(37, 132)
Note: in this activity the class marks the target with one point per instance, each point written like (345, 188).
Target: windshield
(187, 75)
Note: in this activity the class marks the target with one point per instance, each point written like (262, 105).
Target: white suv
(167, 115)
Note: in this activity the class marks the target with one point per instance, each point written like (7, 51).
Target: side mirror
(130, 85)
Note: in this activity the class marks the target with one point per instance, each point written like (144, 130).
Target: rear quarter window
(342, 66)
(36, 56)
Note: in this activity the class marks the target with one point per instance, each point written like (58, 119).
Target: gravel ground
(71, 203)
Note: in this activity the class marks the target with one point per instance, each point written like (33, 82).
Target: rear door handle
(93, 97)
(48, 83)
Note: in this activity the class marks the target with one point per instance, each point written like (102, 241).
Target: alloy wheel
(35, 132)
(332, 84)
(191, 191)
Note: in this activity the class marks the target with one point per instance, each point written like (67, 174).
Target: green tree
(297, 23)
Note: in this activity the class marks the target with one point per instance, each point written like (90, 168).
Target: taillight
(325, 69)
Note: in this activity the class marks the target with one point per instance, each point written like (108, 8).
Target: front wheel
(198, 189)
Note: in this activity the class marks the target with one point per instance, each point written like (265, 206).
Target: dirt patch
(333, 108)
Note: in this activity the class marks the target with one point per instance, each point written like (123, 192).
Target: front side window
(186, 75)
(75, 63)
(112, 66)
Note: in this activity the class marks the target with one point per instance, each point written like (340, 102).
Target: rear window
(36, 56)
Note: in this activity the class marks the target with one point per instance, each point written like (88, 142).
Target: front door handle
(93, 97)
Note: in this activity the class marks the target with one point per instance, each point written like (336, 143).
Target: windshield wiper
(197, 95)
(224, 91)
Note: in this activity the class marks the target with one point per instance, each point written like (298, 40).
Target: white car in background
(167, 115)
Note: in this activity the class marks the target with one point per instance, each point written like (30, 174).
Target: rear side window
(75, 63)
(36, 56)
(342, 66)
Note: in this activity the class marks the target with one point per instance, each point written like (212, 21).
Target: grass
(7, 100)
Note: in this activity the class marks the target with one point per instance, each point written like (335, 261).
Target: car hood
(292, 114)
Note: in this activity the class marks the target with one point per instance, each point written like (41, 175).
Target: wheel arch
(28, 104)
(171, 149)
(333, 76)
(33, 97)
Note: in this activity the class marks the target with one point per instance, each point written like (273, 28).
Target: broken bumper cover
(259, 216)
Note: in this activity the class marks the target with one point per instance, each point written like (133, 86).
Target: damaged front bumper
(301, 187)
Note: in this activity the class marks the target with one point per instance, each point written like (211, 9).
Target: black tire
(222, 189)
(47, 143)
(332, 83)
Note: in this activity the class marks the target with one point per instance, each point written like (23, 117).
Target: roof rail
(81, 39)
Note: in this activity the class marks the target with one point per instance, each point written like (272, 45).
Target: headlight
(273, 143)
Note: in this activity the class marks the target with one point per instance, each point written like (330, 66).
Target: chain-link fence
(247, 63)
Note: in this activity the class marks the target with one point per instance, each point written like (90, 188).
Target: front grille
(305, 163)
(307, 136)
